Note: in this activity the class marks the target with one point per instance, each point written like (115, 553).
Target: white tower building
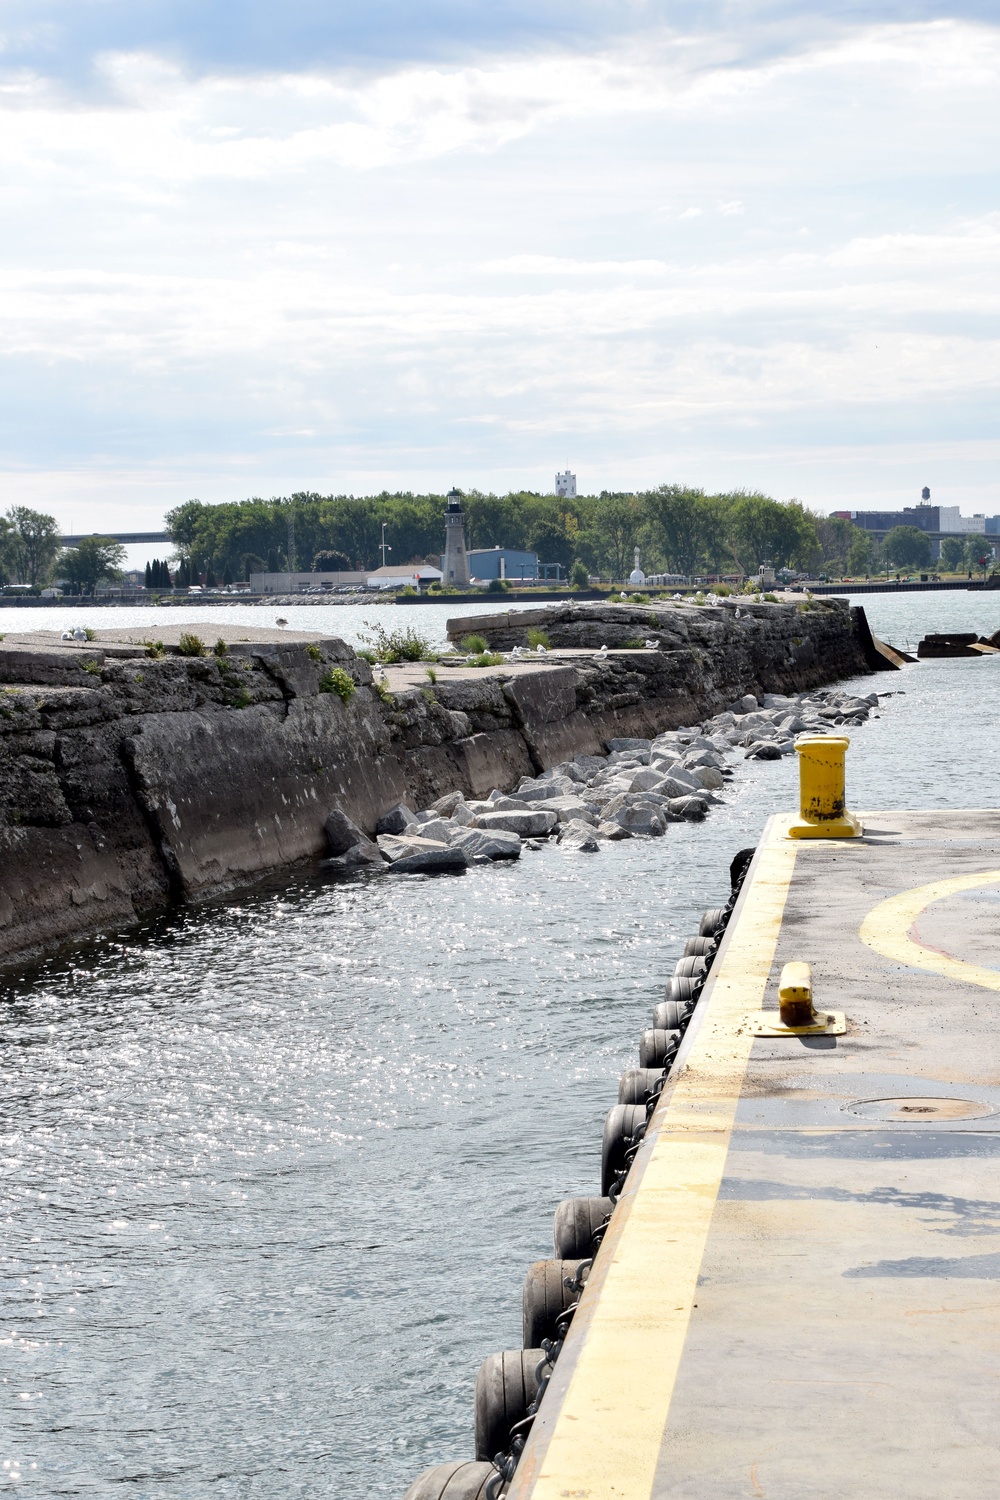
(566, 486)
(455, 565)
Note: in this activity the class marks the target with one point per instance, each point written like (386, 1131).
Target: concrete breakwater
(133, 775)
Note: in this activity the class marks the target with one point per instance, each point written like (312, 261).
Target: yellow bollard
(822, 813)
(795, 996)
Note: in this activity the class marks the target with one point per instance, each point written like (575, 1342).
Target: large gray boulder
(692, 808)
(341, 833)
(680, 784)
(408, 853)
(446, 805)
(579, 836)
(638, 817)
(478, 844)
(531, 824)
(397, 820)
(439, 829)
(570, 809)
(349, 847)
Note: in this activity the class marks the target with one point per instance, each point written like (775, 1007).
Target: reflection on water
(274, 1170)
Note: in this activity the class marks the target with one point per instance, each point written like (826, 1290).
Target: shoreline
(140, 777)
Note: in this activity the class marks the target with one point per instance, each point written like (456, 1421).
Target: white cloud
(642, 250)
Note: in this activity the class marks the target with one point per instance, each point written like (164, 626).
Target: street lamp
(384, 546)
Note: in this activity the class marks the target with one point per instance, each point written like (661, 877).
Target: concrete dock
(799, 1291)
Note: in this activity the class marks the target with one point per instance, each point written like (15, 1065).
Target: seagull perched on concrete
(280, 621)
(604, 650)
(652, 645)
(541, 651)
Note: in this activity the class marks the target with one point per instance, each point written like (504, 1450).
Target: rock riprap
(140, 768)
(637, 790)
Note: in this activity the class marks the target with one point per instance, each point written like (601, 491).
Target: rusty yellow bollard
(795, 996)
(822, 812)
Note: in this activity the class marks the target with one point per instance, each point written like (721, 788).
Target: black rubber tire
(463, 1480)
(544, 1297)
(711, 921)
(684, 989)
(670, 1015)
(739, 867)
(574, 1223)
(506, 1385)
(620, 1125)
(691, 966)
(638, 1085)
(698, 945)
(657, 1049)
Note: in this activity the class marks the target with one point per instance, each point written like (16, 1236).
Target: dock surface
(799, 1293)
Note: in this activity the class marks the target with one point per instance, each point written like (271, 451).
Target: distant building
(456, 560)
(298, 583)
(486, 564)
(566, 486)
(404, 575)
(938, 521)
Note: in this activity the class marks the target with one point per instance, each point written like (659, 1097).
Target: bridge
(118, 536)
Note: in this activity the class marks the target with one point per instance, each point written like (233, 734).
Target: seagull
(280, 621)
(652, 645)
(541, 651)
(604, 650)
(79, 634)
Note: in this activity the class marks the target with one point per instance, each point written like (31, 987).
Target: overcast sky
(251, 248)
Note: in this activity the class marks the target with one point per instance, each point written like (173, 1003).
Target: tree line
(31, 553)
(678, 530)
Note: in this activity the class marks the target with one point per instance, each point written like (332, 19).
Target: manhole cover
(916, 1110)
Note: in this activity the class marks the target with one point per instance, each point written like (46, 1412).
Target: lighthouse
(455, 565)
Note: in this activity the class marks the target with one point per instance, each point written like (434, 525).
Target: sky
(250, 249)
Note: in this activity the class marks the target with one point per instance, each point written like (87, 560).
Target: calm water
(352, 622)
(273, 1171)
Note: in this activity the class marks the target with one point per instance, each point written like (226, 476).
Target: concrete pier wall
(133, 777)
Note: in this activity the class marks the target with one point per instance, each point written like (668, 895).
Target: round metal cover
(916, 1109)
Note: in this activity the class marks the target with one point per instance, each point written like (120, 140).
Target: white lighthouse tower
(455, 566)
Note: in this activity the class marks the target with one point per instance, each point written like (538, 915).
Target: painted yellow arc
(887, 929)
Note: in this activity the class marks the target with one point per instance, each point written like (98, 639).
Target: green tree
(331, 562)
(907, 547)
(680, 524)
(952, 554)
(94, 560)
(555, 540)
(32, 544)
(861, 553)
(611, 530)
(762, 530)
(978, 555)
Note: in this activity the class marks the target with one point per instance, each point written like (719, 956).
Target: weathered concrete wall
(130, 780)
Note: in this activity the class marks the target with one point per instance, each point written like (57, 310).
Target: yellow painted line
(607, 1437)
(888, 926)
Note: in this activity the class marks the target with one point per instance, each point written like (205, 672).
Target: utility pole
(384, 546)
(291, 540)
